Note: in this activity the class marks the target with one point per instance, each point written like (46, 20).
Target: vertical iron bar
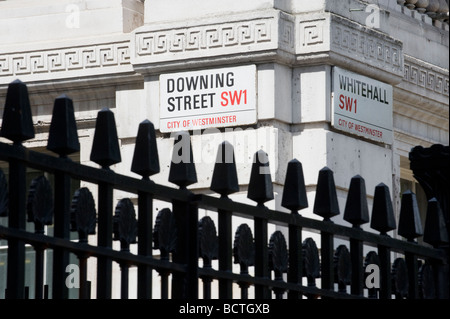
(327, 253)
(242, 284)
(356, 255)
(261, 255)
(83, 293)
(441, 274)
(342, 287)
(16, 248)
(46, 292)
(412, 266)
(182, 173)
(244, 290)
(278, 294)
(384, 254)
(295, 271)
(61, 230)
(164, 284)
(145, 218)
(39, 273)
(124, 279)
(164, 277)
(193, 252)
(105, 230)
(225, 253)
(207, 288)
(180, 255)
(88, 288)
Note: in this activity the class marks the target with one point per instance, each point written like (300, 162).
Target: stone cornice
(429, 113)
(410, 140)
(425, 79)
(237, 35)
(284, 38)
(332, 39)
(366, 46)
(76, 61)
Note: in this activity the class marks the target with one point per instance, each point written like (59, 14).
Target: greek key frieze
(203, 37)
(66, 59)
(426, 77)
(364, 45)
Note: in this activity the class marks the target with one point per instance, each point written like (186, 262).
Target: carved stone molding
(217, 38)
(286, 32)
(366, 46)
(313, 34)
(424, 76)
(265, 32)
(59, 60)
(269, 35)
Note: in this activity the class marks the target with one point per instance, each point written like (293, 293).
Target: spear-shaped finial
(383, 218)
(356, 209)
(17, 124)
(409, 224)
(260, 188)
(105, 148)
(145, 157)
(63, 135)
(182, 168)
(325, 202)
(294, 192)
(224, 180)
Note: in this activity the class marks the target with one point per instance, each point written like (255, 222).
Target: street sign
(208, 98)
(362, 106)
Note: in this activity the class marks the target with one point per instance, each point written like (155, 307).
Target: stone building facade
(121, 54)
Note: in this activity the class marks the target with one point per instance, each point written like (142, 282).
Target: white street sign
(208, 98)
(362, 106)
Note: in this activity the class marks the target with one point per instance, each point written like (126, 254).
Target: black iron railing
(417, 271)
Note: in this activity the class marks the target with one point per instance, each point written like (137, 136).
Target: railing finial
(260, 188)
(105, 148)
(182, 168)
(294, 192)
(17, 124)
(409, 224)
(356, 210)
(383, 218)
(325, 202)
(145, 157)
(435, 232)
(63, 135)
(224, 180)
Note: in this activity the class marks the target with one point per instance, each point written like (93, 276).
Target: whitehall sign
(208, 98)
(362, 106)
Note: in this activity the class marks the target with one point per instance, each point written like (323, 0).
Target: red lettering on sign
(233, 97)
(346, 103)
